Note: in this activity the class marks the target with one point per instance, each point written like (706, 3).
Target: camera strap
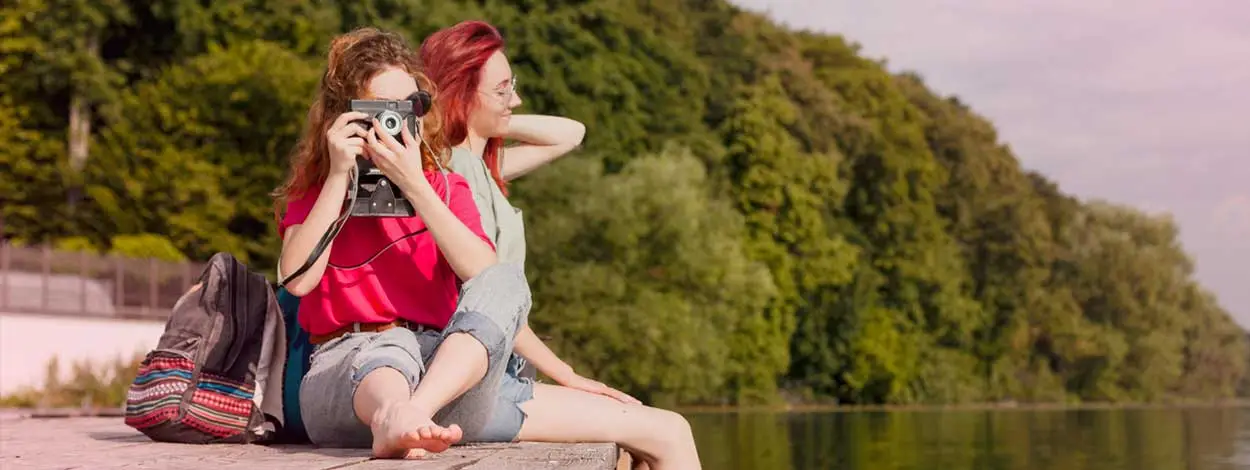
(331, 233)
(353, 188)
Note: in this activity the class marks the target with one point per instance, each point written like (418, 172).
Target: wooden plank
(518, 456)
(457, 457)
(161, 456)
(532, 455)
(30, 438)
(107, 443)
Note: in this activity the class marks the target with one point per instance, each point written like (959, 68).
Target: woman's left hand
(599, 388)
(399, 162)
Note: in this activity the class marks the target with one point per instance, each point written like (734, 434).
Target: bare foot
(400, 430)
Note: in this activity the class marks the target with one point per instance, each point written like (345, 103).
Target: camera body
(377, 195)
(391, 114)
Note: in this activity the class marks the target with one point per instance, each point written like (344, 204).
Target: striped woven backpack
(216, 374)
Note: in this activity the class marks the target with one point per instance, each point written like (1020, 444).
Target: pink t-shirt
(410, 280)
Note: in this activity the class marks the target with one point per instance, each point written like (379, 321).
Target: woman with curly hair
(412, 318)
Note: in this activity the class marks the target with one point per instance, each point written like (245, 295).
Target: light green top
(500, 221)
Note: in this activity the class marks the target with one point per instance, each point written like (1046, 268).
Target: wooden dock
(107, 443)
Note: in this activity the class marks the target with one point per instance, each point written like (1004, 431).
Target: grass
(89, 385)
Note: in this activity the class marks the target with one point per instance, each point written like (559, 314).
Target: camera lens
(391, 122)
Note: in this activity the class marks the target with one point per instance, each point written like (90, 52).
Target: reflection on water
(1102, 439)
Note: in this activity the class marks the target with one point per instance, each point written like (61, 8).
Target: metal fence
(43, 280)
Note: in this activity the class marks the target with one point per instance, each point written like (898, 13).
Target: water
(1104, 439)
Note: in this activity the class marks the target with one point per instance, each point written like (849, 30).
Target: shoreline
(989, 406)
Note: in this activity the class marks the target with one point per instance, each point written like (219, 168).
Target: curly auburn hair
(354, 59)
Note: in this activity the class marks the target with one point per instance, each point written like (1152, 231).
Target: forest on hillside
(757, 214)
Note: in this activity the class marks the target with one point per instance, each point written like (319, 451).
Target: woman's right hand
(346, 139)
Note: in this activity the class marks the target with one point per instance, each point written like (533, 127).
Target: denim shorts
(493, 306)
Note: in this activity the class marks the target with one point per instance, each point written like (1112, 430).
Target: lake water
(1200, 438)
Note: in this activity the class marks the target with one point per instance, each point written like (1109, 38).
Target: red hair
(354, 59)
(453, 59)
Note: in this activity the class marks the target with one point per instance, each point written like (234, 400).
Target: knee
(501, 293)
(501, 276)
(675, 427)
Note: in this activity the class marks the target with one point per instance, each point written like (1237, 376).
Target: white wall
(28, 342)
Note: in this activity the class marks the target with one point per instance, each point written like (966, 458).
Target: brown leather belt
(366, 328)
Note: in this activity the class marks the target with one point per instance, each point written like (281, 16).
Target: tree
(190, 154)
(676, 309)
(786, 198)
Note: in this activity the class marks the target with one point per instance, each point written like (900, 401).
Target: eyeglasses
(504, 92)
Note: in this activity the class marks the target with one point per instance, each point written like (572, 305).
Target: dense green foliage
(756, 212)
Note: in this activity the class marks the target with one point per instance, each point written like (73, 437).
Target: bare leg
(458, 365)
(402, 424)
(462, 383)
(660, 438)
(399, 428)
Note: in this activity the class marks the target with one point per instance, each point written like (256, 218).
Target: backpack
(216, 374)
(220, 372)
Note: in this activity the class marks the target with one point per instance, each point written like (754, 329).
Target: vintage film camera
(376, 195)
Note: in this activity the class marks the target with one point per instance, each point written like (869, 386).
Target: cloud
(1139, 102)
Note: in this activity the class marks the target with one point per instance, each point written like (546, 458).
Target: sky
(1141, 102)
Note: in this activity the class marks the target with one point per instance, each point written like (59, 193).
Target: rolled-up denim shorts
(493, 306)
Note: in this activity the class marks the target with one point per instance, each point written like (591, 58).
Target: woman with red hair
(477, 93)
(412, 317)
